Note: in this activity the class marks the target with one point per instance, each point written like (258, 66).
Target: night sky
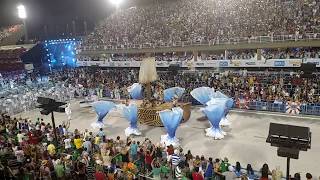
(55, 14)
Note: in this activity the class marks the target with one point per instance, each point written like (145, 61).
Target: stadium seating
(7, 32)
(164, 23)
(10, 60)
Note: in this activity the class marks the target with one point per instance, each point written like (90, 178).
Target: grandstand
(10, 35)
(10, 60)
(207, 30)
(205, 22)
(262, 54)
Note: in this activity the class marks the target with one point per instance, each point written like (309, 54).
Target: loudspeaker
(288, 152)
(48, 105)
(289, 136)
(289, 131)
(45, 112)
(308, 68)
(44, 101)
(174, 67)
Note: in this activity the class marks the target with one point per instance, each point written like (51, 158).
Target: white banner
(28, 67)
(210, 63)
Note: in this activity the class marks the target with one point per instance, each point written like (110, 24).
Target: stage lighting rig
(22, 14)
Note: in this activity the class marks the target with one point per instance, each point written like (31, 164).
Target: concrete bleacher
(26, 46)
(14, 36)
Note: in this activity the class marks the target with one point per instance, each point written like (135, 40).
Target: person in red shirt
(99, 175)
(148, 160)
(33, 139)
(196, 175)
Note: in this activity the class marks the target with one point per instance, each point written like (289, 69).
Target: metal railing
(239, 40)
(307, 109)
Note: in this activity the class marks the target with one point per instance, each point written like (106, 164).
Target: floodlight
(22, 12)
(116, 2)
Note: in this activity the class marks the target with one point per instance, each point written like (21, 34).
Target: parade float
(155, 98)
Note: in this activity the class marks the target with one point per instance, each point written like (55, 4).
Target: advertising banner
(224, 63)
(281, 63)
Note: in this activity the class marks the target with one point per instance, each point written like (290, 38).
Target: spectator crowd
(10, 60)
(165, 23)
(29, 149)
(248, 54)
(7, 31)
(267, 86)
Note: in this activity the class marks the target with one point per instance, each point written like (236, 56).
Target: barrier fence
(308, 109)
(294, 109)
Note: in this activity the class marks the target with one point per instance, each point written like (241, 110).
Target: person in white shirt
(86, 134)
(20, 137)
(87, 145)
(31, 126)
(117, 93)
(38, 127)
(49, 137)
(43, 127)
(19, 154)
(18, 125)
(65, 131)
(230, 173)
(277, 174)
(67, 143)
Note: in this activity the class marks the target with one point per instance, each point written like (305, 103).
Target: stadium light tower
(116, 2)
(22, 14)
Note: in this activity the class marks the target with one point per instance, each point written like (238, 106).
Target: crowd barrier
(307, 109)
